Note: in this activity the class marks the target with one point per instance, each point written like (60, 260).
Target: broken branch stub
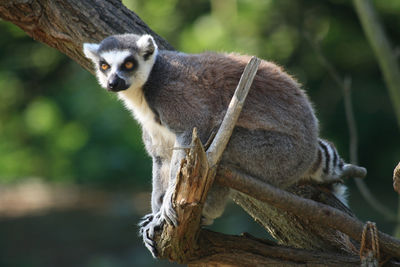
(396, 179)
(178, 243)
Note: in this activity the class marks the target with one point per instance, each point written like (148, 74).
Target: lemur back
(277, 124)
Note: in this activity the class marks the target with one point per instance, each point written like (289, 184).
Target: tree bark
(66, 25)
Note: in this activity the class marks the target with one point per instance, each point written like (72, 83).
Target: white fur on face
(114, 58)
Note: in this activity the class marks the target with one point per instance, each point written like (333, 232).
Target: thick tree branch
(313, 211)
(217, 249)
(66, 25)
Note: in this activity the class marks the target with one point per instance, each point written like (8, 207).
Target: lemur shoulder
(170, 93)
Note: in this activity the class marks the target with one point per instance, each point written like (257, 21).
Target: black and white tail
(329, 167)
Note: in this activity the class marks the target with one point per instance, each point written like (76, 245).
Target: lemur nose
(113, 83)
(116, 84)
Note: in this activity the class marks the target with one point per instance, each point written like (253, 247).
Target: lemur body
(170, 93)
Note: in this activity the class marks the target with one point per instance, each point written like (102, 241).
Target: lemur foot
(153, 222)
(149, 224)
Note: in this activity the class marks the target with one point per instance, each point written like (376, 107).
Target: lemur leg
(163, 210)
(161, 169)
(167, 210)
(160, 183)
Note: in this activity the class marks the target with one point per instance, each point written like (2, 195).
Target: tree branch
(66, 25)
(304, 208)
(250, 251)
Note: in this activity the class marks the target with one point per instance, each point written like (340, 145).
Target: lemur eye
(104, 66)
(128, 65)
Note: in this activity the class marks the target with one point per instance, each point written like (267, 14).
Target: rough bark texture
(279, 223)
(65, 25)
(245, 250)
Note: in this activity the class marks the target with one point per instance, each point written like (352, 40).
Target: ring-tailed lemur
(170, 93)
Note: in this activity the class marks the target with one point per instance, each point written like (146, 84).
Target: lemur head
(122, 61)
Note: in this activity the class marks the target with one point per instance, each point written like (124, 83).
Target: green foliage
(58, 124)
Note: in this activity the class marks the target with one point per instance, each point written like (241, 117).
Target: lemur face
(123, 62)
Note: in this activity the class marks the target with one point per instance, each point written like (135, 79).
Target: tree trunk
(66, 25)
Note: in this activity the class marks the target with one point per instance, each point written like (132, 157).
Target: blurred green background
(74, 176)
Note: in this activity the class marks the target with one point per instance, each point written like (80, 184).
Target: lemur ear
(90, 51)
(147, 46)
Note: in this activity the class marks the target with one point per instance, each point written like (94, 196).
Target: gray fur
(275, 139)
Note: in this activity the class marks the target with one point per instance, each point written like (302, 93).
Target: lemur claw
(153, 222)
(149, 224)
(144, 222)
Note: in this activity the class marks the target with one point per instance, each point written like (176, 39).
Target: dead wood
(396, 179)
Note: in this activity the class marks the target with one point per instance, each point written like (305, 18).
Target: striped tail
(330, 167)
